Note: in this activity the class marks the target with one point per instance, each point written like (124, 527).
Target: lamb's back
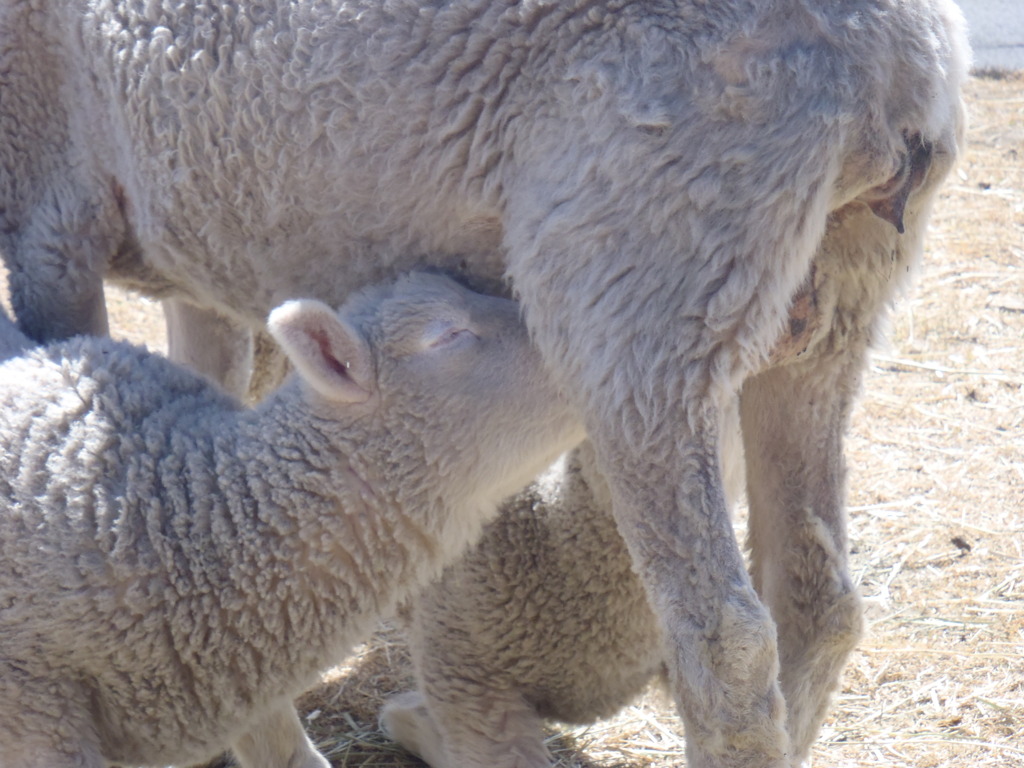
(92, 433)
(103, 451)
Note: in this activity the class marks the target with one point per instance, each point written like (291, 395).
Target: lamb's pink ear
(330, 355)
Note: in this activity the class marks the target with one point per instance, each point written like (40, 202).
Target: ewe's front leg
(406, 719)
(793, 420)
(278, 740)
(209, 343)
(56, 264)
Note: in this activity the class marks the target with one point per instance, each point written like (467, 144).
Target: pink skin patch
(804, 320)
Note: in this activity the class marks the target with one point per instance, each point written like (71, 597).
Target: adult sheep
(174, 568)
(654, 177)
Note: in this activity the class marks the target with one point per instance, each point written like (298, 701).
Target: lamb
(655, 180)
(174, 568)
(545, 619)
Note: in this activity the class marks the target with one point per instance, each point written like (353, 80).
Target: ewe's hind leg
(278, 740)
(209, 343)
(61, 224)
(794, 417)
(651, 329)
(486, 728)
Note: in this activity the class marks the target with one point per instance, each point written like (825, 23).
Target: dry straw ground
(936, 484)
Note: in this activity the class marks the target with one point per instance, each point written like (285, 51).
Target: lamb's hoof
(406, 720)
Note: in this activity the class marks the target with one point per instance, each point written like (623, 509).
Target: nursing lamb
(544, 619)
(174, 568)
(654, 176)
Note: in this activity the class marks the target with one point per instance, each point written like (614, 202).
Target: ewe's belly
(245, 275)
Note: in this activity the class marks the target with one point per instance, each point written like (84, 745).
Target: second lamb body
(174, 568)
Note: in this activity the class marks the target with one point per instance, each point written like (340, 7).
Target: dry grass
(937, 514)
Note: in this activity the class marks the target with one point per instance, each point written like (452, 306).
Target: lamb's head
(441, 383)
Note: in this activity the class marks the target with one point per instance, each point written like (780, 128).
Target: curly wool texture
(236, 154)
(544, 618)
(656, 178)
(174, 568)
(546, 609)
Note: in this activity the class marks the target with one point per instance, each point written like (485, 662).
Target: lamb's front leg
(278, 740)
(46, 724)
(492, 727)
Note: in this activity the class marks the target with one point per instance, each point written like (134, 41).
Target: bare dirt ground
(936, 492)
